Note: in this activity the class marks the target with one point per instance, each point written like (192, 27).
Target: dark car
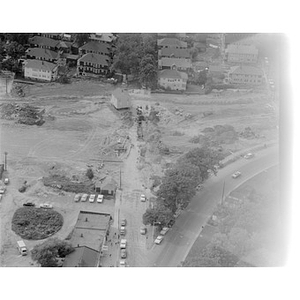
(29, 204)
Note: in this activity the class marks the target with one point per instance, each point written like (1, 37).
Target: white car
(100, 198)
(2, 190)
(164, 231)
(77, 197)
(249, 155)
(159, 239)
(84, 197)
(122, 263)
(143, 198)
(46, 205)
(123, 243)
(236, 174)
(92, 198)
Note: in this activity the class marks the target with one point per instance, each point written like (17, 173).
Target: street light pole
(5, 161)
(223, 192)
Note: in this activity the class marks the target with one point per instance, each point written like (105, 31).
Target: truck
(22, 248)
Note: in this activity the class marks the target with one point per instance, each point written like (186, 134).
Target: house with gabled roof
(109, 186)
(96, 48)
(245, 75)
(172, 79)
(120, 98)
(240, 53)
(171, 43)
(107, 38)
(181, 64)
(92, 64)
(42, 54)
(174, 52)
(40, 70)
(43, 42)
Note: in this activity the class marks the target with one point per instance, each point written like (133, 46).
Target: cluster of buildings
(48, 52)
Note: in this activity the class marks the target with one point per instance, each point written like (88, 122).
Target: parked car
(28, 204)
(2, 190)
(123, 253)
(164, 230)
(84, 197)
(123, 222)
(143, 198)
(100, 198)
(236, 174)
(92, 198)
(159, 239)
(46, 205)
(122, 263)
(122, 230)
(123, 243)
(143, 230)
(77, 198)
(249, 155)
(6, 180)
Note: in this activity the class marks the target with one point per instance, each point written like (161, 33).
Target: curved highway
(179, 240)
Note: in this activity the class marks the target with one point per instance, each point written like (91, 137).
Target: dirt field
(85, 129)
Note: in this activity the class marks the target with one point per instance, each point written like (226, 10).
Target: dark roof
(43, 41)
(178, 62)
(245, 70)
(43, 53)
(95, 47)
(83, 256)
(95, 59)
(174, 74)
(171, 42)
(40, 65)
(180, 53)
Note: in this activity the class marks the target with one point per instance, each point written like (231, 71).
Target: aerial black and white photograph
(152, 149)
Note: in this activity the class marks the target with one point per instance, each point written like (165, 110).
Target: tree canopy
(47, 253)
(159, 215)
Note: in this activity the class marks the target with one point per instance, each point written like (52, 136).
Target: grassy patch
(33, 223)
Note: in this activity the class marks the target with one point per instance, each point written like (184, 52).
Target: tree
(194, 53)
(148, 71)
(47, 253)
(82, 38)
(15, 50)
(204, 158)
(179, 185)
(158, 215)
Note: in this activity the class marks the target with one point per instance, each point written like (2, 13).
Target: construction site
(54, 133)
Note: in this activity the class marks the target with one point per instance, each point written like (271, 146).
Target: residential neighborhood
(140, 150)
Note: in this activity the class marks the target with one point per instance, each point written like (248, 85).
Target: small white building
(40, 70)
(172, 79)
(120, 98)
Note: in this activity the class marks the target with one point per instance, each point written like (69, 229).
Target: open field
(84, 128)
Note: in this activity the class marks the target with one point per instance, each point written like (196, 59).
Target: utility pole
(120, 180)
(223, 192)
(5, 161)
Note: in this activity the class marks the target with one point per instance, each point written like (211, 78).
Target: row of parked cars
(161, 236)
(92, 198)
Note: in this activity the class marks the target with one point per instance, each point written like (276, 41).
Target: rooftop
(41, 52)
(40, 65)
(95, 59)
(103, 37)
(43, 41)
(245, 70)
(181, 53)
(178, 62)
(171, 42)
(95, 47)
(174, 74)
(82, 257)
(242, 49)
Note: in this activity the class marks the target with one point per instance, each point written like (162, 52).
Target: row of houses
(46, 54)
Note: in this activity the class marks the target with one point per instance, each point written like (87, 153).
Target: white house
(40, 70)
(120, 98)
(172, 79)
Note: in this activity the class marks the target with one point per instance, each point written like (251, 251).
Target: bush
(89, 174)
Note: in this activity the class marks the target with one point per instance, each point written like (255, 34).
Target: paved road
(188, 226)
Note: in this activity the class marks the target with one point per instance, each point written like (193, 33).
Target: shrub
(89, 174)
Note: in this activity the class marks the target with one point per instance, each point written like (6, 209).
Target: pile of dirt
(22, 113)
(36, 223)
(66, 184)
